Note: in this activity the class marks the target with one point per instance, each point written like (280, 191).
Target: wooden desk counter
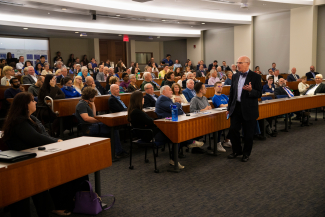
(74, 158)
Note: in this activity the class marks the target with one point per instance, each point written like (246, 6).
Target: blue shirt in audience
(227, 82)
(11, 93)
(169, 62)
(218, 100)
(267, 89)
(70, 92)
(80, 74)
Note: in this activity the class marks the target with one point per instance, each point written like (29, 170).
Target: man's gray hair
(88, 78)
(188, 81)
(30, 67)
(233, 65)
(45, 64)
(319, 75)
(78, 65)
(58, 62)
(84, 68)
(189, 73)
(162, 89)
(63, 67)
(212, 71)
(131, 76)
(146, 85)
(146, 74)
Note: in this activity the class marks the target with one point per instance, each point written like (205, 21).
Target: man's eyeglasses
(241, 63)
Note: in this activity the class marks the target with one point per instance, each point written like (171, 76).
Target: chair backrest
(51, 103)
(281, 96)
(266, 98)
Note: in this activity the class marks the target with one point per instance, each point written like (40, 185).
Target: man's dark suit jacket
(319, 89)
(58, 79)
(280, 91)
(225, 68)
(249, 100)
(184, 83)
(149, 101)
(27, 79)
(310, 75)
(163, 107)
(199, 74)
(210, 67)
(114, 105)
(292, 78)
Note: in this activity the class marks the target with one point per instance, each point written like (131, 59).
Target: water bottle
(174, 109)
(139, 75)
(136, 76)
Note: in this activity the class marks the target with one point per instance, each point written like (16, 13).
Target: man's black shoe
(245, 158)
(234, 155)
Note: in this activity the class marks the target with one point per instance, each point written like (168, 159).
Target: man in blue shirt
(201, 63)
(15, 88)
(93, 63)
(189, 92)
(219, 101)
(273, 67)
(168, 60)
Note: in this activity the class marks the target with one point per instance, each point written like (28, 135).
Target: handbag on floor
(88, 202)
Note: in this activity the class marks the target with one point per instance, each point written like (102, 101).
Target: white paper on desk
(220, 109)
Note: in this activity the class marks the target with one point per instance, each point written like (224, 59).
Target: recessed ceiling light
(191, 26)
(64, 9)
(48, 13)
(203, 23)
(177, 22)
(119, 35)
(163, 20)
(76, 32)
(264, 4)
(25, 28)
(158, 36)
(118, 15)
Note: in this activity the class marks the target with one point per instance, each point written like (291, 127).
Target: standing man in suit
(311, 75)
(319, 87)
(215, 64)
(31, 77)
(245, 90)
(150, 98)
(293, 76)
(115, 103)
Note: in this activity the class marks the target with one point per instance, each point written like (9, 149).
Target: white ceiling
(183, 18)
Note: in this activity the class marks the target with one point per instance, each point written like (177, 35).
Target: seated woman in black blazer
(23, 131)
(139, 119)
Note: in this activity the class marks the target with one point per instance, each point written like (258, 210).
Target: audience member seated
(58, 56)
(154, 67)
(93, 62)
(85, 112)
(234, 68)
(126, 82)
(46, 69)
(77, 84)
(24, 131)
(177, 64)
(187, 70)
(224, 66)
(269, 87)
(220, 101)
(163, 72)
(276, 77)
(150, 98)
(71, 61)
(293, 76)
(201, 63)
(107, 64)
(214, 77)
(132, 86)
(90, 69)
(189, 76)
(189, 64)
(8, 73)
(282, 89)
(311, 75)
(64, 73)
(30, 78)
(303, 86)
(34, 88)
(178, 74)
(180, 81)
(168, 61)
(177, 93)
(152, 61)
(38, 69)
(139, 119)
(67, 88)
(84, 73)
(148, 79)
(149, 69)
(95, 85)
(15, 88)
(120, 67)
(58, 65)
(221, 75)
(189, 92)
(207, 77)
(76, 69)
(115, 104)
(100, 75)
(199, 102)
(319, 87)
(200, 72)
(273, 67)
(106, 72)
(115, 80)
(20, 64)
(214, 64)
(229, 78)
(170, 79)
(271, 73)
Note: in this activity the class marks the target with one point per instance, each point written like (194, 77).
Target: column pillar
(243, 42)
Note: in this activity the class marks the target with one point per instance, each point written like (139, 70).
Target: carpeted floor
(285, 176)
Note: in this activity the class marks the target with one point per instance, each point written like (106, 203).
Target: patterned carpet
(284, 177)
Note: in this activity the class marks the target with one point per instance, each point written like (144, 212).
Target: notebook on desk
(15, 156)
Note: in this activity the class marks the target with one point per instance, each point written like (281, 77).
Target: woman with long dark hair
(84, 60)
(23, 131)
(139, 119)
(38, 69)
(71, 61)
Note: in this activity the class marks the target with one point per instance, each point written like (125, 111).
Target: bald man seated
(293, 76)
(115, 103)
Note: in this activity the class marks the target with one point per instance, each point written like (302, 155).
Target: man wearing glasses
(245, 90)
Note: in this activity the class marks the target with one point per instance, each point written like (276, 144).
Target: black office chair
(146, 145)
(289, 115)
